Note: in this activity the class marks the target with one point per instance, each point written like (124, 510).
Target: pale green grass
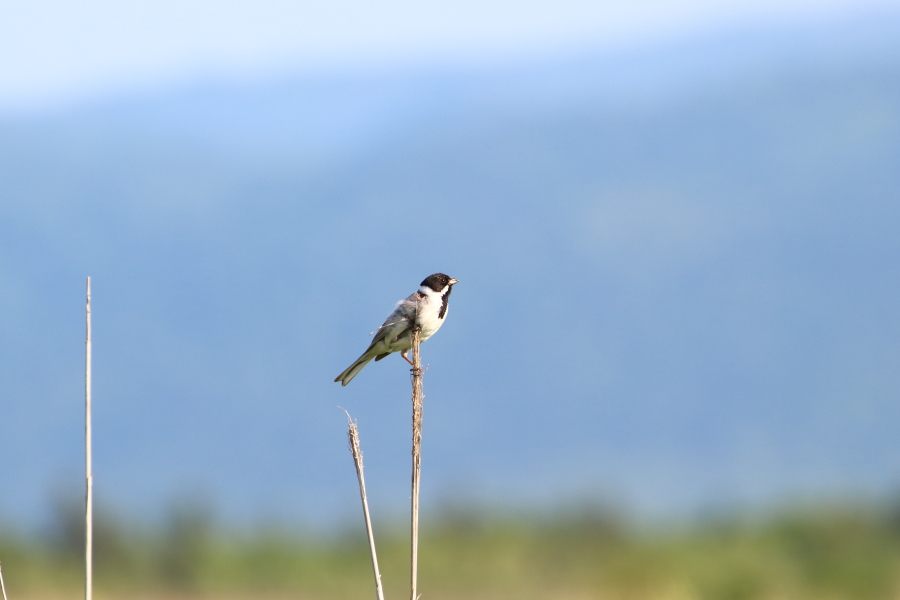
(833, 554)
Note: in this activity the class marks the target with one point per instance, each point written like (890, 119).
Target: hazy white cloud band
(52, 51)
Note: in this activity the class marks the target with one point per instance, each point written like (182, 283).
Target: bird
(426, 307)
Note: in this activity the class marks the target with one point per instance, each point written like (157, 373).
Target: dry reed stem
(416, 462)
(2, 585)
(353, 437)
(88, 468)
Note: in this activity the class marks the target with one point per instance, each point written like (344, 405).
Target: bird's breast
(430, 320)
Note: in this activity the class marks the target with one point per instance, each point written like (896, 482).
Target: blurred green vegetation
(824, 554)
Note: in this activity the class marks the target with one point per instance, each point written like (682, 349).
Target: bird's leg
(403, 353)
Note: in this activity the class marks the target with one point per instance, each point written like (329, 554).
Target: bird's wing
(400, 322)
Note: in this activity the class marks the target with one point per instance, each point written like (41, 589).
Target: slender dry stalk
(353, 436)
(416, 462)
(89, 474)
(2, 585)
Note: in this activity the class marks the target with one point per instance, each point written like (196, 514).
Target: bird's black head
(438, 281)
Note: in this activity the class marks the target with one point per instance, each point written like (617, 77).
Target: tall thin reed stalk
(89, 473)
(416, 463)
(353, 437)
(2, 585)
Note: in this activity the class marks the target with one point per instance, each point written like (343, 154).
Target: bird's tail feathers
(351, 371)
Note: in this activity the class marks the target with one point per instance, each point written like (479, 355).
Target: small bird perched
(427, 308)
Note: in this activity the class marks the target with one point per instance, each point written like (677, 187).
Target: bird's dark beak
(452, 281)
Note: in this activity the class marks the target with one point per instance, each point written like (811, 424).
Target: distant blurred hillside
(679, 282)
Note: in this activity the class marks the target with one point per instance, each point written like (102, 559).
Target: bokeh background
(675, 342)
